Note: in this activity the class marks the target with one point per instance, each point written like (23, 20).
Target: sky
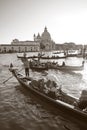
(66, 20)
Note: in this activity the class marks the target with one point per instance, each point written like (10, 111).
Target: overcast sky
(66, 20)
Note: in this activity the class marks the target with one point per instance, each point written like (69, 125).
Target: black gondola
(65, 104)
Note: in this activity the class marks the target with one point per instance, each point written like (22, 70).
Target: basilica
(40, 42)
(45, 40)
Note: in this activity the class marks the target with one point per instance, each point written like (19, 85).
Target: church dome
(46, 35)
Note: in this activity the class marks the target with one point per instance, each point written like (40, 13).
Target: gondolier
(26, 66)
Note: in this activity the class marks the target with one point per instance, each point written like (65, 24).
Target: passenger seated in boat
(41, 84)
(11, 65)
(49, 87)
(63, 64)
(59, 93)
(85, 110)
(82, 103)
(52, 89)
(34, 83)
(83, 63)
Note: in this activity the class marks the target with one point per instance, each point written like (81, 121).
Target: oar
(10, 77)
(7, 79)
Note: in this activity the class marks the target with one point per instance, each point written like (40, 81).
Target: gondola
(29, 57)
(34, 64)
(38, 67)
(66, 67)
(64, 104)
(61, 68)
(53, 57)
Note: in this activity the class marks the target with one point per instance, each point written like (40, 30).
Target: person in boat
(85, 110)
(26, 66)
(39, 85)
(52, 89)
(82, 102)
(48, 87)
(11, 65)
(39, 56)
(34, 62)
(63, 64)
(24, 54)
(83, 63)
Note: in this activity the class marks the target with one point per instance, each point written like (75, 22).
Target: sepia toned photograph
(43, 65)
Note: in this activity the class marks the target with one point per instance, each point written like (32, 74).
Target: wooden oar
(7, 79)
(10, 77)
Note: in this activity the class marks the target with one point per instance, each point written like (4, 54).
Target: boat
(64, 104)
(45, 66)
(42, 57)
(57, 52)
(64, 67)
(71, 55)
(53, 57)
(36, 65)
(40, 67)
(51, 65)
(29, 57)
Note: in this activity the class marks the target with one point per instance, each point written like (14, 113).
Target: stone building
(30, 46)
(45, 39)
(20, 46)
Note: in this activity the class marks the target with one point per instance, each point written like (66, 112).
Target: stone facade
(46, 40)
(30, 46)
(20, 46)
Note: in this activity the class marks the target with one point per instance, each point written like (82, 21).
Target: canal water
(19, 110)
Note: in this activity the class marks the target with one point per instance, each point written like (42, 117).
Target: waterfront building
(70, 47)
(20, 46)
(45, 40)
(40, 42)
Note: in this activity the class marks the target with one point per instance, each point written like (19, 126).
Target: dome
(46, 35)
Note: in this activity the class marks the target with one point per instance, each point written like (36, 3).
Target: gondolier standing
(26, 66)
